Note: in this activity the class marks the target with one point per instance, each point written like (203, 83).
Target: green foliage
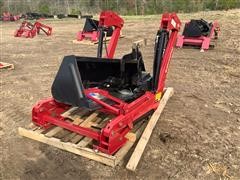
(75, 11)
(228, 4)
(1, 6)
(124, 7)
(44, 8)
(210, 5)
(1, 3)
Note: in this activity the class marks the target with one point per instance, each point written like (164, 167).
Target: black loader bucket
(90, 25)
(196, 28)
(78, 73)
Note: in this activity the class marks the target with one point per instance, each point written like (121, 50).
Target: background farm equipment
(4, 65)
(198, 33)
(36, 16)
(10, 17)
(85, 15)
(119, 88)
(29, 30)
(109, 25)
(78, 16)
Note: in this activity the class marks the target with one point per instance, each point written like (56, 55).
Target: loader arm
(108, 25)
(109, 19)
(44, 28)
(164, 44)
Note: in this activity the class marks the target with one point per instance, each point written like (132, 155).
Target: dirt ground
(197, 137)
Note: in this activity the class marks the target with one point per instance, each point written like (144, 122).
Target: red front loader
(198, 33)
(29, 30)
(109, 25)
(119, 87)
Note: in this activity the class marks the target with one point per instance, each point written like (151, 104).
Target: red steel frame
(202, 41)
(106, 19)
(112, 137)
(1, 65)
(9, 17)
(93, 36)
(30, 30)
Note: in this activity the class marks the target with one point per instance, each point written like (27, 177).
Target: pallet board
(4, 65)
(139, 43)
(80, 145)
(82, 151)
(138, 151)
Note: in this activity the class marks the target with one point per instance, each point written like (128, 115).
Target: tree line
(124, 7)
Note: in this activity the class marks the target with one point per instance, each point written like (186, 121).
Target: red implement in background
(29, 30)
(9, 17)
(68, 90)
(202, 41)
(4, 65)
(109, 25)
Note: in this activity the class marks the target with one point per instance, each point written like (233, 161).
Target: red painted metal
(202, 41)
(172, 23)
(93, 36)
(107, 19)
(7, 16)
(112, 137)
(30, 30)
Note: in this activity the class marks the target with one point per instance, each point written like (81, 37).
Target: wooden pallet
(4, 65)
(139, 43)
(88, 42)
(83, 146)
